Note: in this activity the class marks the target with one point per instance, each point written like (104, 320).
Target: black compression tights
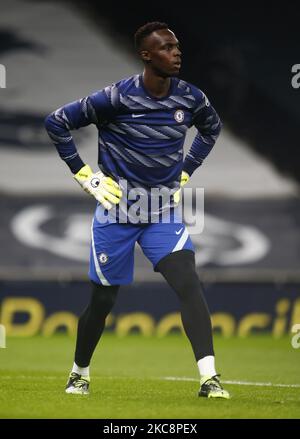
(178, 269)
(92, 321)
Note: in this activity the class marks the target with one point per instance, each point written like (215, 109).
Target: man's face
(161, 52)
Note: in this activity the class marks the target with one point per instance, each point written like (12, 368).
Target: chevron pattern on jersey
(146, 132)
(133, 102)
(131, 156)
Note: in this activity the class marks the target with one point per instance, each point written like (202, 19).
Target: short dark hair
(146, 30)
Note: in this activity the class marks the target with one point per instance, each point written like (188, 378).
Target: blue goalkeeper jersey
(141, 137)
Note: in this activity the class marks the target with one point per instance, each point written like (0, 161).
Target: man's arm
(96, 109)
(92, 109)
(208, 124)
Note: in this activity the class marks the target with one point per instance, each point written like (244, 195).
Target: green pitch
(134, 377)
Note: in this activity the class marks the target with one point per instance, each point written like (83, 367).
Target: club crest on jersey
(103, 258)
(179, 116)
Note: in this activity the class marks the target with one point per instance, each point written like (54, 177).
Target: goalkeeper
(142, 122)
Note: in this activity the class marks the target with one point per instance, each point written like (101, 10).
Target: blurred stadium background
(248, 255)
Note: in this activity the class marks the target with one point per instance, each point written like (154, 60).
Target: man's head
(158, 47)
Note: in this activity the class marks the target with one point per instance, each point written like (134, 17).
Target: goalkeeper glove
(184, 178)
(103, 188)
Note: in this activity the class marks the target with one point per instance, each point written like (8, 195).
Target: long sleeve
(208, 124)
(94, 109)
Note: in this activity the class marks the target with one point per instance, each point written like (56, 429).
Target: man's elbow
(217, 128)
(48, 121)
(220, 127)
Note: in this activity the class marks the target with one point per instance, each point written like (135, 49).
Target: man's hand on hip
(103, 188)
(183, 180)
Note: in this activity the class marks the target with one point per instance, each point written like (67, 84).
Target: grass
(128, 379)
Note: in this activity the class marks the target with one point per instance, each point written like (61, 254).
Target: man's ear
(145, 55)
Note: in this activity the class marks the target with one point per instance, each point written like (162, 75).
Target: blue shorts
(112, 247)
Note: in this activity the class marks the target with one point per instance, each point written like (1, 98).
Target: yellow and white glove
(103, 188)
(183, 180)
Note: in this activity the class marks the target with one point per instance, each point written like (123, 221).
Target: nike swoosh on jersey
(177, 233)
(138, 115)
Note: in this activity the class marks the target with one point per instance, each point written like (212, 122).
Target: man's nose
(178, 52)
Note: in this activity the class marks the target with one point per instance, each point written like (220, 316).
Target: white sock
(84, 371)
(206, 366)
